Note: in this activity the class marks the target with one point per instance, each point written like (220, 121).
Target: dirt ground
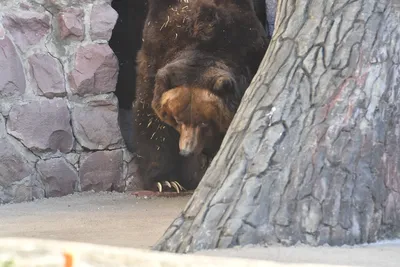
(123, 220)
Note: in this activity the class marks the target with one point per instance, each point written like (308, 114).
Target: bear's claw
(171, 184)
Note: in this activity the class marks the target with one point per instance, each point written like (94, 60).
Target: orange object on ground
(69, 260)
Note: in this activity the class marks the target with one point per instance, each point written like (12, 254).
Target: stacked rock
(59, 130)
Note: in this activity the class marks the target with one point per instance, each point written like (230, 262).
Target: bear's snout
(185, 153)
(190, 141)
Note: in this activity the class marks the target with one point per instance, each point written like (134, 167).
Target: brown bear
(196, 61)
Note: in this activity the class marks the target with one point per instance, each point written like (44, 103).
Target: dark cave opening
(126, 41)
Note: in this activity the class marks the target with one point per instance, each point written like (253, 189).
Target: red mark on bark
(358, 77)
(349, 112)
(320, 133)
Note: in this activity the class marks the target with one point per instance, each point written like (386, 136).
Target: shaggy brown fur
(191, 47)
(197, 114)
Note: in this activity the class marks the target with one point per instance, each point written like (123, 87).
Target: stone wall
(59, 128)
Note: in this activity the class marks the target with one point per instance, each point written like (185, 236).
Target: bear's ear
(163, 112)
(221, 115)
(224, 85)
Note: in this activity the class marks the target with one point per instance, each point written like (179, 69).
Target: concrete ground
(101, 218)
(123, 220)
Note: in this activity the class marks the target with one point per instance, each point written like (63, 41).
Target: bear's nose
(185, 153)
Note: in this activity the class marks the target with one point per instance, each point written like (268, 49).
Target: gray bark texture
(313, 153)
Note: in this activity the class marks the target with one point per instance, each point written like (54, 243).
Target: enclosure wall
(58, 113)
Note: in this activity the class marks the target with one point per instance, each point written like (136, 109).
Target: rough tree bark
(313, 153)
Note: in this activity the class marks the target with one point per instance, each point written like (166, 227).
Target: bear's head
(197, 114)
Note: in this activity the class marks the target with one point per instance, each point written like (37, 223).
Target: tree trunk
(312, 154)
